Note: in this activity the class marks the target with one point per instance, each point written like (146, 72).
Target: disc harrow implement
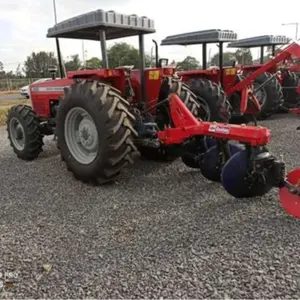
(238, 158)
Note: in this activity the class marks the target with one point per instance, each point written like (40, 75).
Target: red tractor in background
(282, 72)
(243, 92)
(103, 118)
(295, 68)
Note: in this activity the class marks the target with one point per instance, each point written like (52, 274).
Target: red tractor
(295, 68)
(104, 118)
(257, 94)
(282, 72)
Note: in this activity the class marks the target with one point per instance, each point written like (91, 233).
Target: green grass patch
(5, 107)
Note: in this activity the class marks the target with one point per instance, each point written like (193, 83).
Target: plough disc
(211, 163)
(236, 181)
(289, 201)
(195, 149)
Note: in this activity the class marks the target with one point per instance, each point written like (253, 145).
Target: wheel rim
(17, 134)
(81, 135)
(261, 94)
(204, 110)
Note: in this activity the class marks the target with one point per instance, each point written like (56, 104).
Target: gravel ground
(161, 231)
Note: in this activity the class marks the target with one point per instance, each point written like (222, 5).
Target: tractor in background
(103, 118)
(218, 80)
(256, 94)
(282, 72)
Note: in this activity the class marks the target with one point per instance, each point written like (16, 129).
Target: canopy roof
(200, 37)
(87, 26)
(258, 41)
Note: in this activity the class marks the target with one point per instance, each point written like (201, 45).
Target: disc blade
(210, 165)
(237, 182)
(291, 202)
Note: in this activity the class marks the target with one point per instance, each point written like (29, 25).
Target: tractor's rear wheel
(214, 107)
(213, 98)
(168, 153)
(24, 133)
(95, 132)
(289, 88)
(270, 96)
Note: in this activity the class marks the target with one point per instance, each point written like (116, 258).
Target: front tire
(24, 133)
(95, 132)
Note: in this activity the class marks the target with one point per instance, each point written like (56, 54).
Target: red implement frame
(187, 126)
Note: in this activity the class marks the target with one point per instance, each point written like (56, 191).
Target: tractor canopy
(101, 26)
(261, 41)
(203, 38)
(88, 26)
(200, 37)
(258, 41)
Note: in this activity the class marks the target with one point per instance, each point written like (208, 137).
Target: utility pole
(151, 57)
(83, 54)
(55, 14)
(62, 67)
(296, 24)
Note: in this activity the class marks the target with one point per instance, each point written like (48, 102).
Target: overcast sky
(24, 24)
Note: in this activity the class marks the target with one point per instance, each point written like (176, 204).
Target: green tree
(36, 65)
(18, 71)
(244, 56)
(2, 72)
(228, 58)
(189, 63)
(73, 64)
(121, 54)
(94, 63)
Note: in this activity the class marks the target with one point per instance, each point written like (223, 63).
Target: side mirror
(163, 62)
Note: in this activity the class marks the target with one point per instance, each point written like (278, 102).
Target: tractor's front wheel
(95, 132)
(24, 133)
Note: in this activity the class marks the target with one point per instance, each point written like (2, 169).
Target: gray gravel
(161, 231)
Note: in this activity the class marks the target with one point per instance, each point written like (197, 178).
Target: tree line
(37, 63)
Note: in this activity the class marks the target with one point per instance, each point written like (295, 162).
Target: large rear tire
(212, 105)
(24, 133)
(95, 132)
(168, 153)
(289, 87)
(213, 97)
(270, 96)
